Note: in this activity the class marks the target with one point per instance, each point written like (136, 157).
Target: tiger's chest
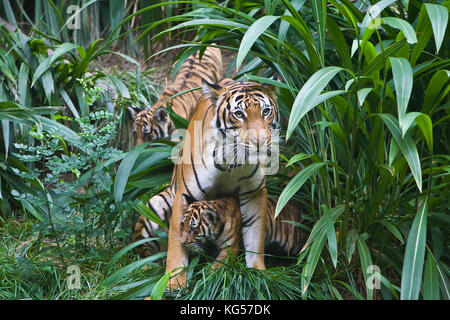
(212, 183)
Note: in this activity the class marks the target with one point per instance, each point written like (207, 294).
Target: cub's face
(199, 226)
(149, 125)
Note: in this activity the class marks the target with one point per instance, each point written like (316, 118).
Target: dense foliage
(364, 91)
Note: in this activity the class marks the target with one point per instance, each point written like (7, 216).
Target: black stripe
(254, 190)
(196, 176)
(251, 174)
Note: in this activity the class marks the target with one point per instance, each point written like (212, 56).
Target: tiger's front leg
(177, 257)
(253, 212)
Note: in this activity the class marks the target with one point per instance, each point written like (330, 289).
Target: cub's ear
(133, 111)
(212, 90)
(187, 200)
(161, 114)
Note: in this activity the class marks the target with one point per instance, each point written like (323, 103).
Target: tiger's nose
(258, 138)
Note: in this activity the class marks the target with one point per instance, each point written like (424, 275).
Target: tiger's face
(200, 227)
(247, 114)
(150, 125)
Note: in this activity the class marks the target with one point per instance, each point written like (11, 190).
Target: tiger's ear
(161, 114)
(212, 90)
(133, 111)
(272, 87)
(187, 200)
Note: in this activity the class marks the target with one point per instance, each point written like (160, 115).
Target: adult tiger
(216, 224)
(233, 118)
(154, 123)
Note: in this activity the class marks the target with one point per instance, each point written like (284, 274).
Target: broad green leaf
(392, 228)
(331, 235)
(414, 255)
(434, 88)
(307, 98)
(362, 94)
(402, 25)
(430, 280)
(47, 62)
(130, 268)
(439, 18)
(297, 158)
(295, 184)
(366, 263)
(251, 35)
(320, 226)
(129, 247)
(160, 286)
(340, 43)
(403, 81)
(373, 13)
(141, 208)
(424, 123)
(407, 147)
(350, 244)
(313, 258)
(123, 172)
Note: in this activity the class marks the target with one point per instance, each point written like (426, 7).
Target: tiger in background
(154, 123)
(218, 222)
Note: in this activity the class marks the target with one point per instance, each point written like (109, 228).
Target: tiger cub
(154, 123)
(219, 221)
(211, 226)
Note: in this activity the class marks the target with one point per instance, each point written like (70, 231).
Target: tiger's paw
(177, 282)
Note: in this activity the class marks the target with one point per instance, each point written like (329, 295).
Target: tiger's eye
(239, 114)
(266, 112)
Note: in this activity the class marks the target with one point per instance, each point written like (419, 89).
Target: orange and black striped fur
(231, 121)
(219, 221)
(211, 226)
(154, 123)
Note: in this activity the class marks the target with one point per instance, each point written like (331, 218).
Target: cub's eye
(238, 114)
(266, 112)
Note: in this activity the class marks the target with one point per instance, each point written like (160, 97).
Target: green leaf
(392, 228)
(129, 247)
(128, 269)
(295, 184)
(431, 280)
(251, 35)
(439, 18)
(414, 255)
(297, 158)
(313, 258)
(407, 147)
(350, 244)
(432, 93)
(402, 25)
(362, 94)
(123, 172)
(424, 123)
(308, 96)
(403, 81)
(366, 263)
(160, 286)
(331, 235)
(47, 62)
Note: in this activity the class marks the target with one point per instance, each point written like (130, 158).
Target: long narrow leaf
(414, 255)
